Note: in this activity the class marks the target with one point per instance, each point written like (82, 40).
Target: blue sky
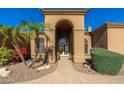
(99, 16)
(95, 17)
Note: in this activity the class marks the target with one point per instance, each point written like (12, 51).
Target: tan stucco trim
(79, 29)
(115, 25)
(64, 12)
(73, 30)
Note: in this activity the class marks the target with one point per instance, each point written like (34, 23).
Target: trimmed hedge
(106, 62)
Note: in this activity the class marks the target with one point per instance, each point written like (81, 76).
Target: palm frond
(4, 41)
(40, 27)
(47, 26)
(32, 21)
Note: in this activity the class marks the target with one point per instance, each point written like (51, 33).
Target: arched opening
(63, 46)
(86, 46)
(64, 38)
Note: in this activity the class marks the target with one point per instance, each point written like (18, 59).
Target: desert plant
(70, 56)
(13, 34)
(5, 55)
(33, 31)
(57, 56)
(106, 62)
(40, 57)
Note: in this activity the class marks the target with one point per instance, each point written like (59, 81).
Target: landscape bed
(21, 73)
(79, 67)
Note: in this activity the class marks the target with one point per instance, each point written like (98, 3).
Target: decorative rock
(44, 67)
(48, 66)
(41, 68)
(87, 66)
(4, 72)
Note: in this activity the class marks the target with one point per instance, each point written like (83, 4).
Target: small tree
(33, 33)
(13, 34)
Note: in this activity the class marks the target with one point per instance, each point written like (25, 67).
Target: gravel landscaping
(79, 67)
(21, 73)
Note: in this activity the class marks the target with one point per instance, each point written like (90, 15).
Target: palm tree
(13, 34)
(34, 30)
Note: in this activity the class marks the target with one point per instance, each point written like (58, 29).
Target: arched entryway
(64, 38)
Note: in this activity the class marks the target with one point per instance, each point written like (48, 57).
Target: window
(86, 46)
(41, 45)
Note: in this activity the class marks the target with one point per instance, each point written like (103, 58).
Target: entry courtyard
(66, 73)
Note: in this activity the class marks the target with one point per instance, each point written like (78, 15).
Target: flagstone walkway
(65, 74)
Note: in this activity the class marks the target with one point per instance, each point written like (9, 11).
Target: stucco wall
(116, 39)
(79, 46)
(76, 20)
(33, 46)
(99, 39)
(88, 37)
(78, 27)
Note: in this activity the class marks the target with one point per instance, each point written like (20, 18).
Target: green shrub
(5, 54)
(106, 62)
(70, 56)
(58, 56)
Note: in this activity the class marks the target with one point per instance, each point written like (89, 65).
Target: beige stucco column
(78, 45)
(89, 39)
(51, 35)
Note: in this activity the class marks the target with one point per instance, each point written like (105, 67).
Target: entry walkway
(65, 74)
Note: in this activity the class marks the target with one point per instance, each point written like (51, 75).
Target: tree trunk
(17, 48)
(36, 49)
(35, 56)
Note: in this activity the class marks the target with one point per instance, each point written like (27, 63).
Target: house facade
(109, 36)
(69, 36)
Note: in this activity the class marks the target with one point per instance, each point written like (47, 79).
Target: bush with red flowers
(25, 53)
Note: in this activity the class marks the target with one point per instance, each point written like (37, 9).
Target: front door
(63, 47)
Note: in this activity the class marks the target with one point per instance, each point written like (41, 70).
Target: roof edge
(115, 25)
(64, 12)
(110, 25)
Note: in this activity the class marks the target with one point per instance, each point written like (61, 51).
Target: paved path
(65, 74)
